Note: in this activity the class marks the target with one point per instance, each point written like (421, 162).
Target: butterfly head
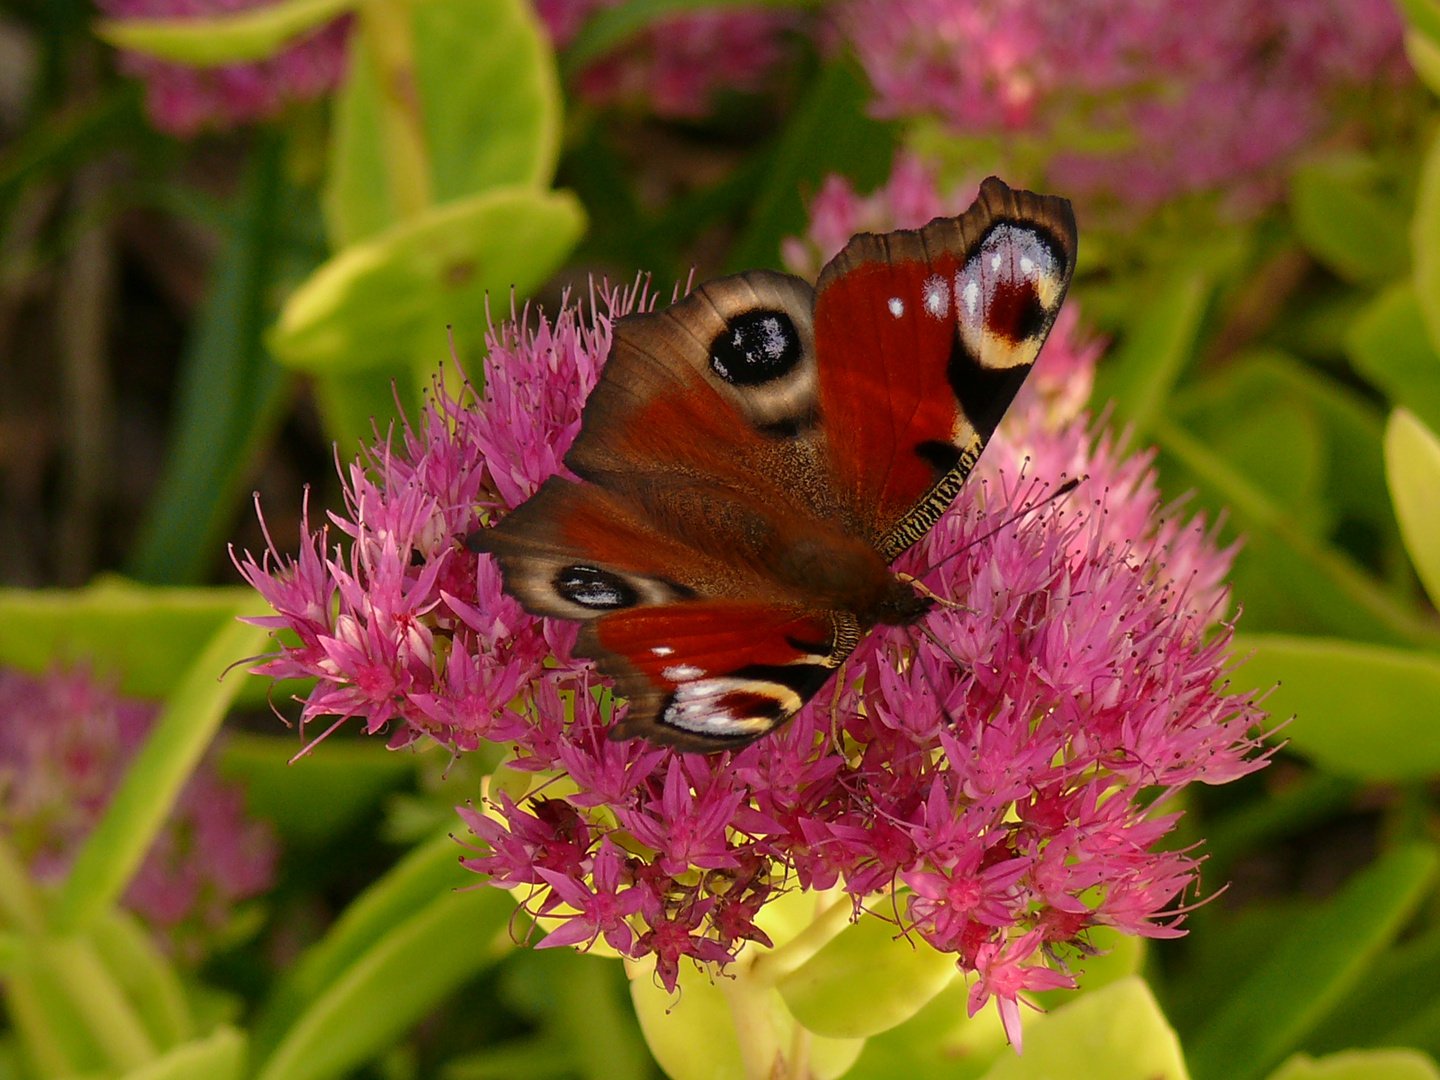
(902, 604)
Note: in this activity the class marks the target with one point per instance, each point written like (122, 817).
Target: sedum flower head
(679, 63)
(185, 100)
(996, 784)
(1188, 94)
(65, 742)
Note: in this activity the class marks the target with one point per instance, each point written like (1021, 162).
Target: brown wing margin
(924, 338)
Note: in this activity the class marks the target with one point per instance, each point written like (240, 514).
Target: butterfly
(755, 456)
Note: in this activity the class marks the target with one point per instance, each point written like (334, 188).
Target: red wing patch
(924, 338)
(707, 676)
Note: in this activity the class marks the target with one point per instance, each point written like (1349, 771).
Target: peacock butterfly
(756, 455)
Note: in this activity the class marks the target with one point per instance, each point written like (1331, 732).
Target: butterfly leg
(836, 736)
(929, 594)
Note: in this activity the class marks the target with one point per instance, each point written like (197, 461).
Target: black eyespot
(599, 590)
(755, 348)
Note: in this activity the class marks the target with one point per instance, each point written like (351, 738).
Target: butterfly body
(756, 456)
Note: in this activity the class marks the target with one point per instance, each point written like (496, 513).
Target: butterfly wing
(925, 337)
(716, 675)
(698, 457)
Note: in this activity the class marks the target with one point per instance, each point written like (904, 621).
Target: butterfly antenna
(1059, 493)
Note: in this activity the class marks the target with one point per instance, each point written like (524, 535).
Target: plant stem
(833, 917)
(102, 1005)
(18, 899)
(751, 1012)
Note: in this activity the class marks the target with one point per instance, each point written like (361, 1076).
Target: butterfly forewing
(925, 337)
(755, 456)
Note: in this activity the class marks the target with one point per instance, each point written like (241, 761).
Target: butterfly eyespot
(598, 590)
(755, 348)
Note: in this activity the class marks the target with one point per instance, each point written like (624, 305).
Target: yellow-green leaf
(866, 981)
(219, 1056)
(1118, 1033)
(1360, 1065)
(387, 300)
(1412, 466)
(210, 41)
(1363, 711)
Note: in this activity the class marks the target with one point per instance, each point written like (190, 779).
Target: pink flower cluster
(1147, 98)
(679, 63)
(998, 781)
(65, 741)
(184, 100)
(910, 198)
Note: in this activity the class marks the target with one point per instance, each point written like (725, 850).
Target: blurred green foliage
(343, 253)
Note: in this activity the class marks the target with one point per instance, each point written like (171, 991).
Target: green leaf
(1342, 591)
(865, 981)
(1361, 711)
(1118, 1033)
(355, 405)
(611, 27)
(1344, 223)
(1409, 973)
(581, 1002)
(1157, 346)
(147, 976)
(44, 1014)
(1323, 956)
(1360, 1065)
(384, 301)
(1424, 56)
(315, 798)
(114, 849)
(1387, 344)
(940, 1042)
(534, 1059)
(1422, 15)
(692, 1033)
(230, 395)
(1425, 237)
(141, 636)
(1412, 465)
(211, 41)
(831, 131)
(1116, 957)
(491, 108)
(393, 984)
(219, 1056)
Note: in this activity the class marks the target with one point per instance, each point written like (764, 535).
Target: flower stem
(99, 1001)
(833, 917)
(750, 1010)
(18, 898)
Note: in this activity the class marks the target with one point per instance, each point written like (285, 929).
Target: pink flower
(1190, 95)
(184, 100)
(680, 63)
(1005, 775)
(65, 741)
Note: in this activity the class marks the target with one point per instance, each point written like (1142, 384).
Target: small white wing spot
(661, 650)
(1027, 264)
(995, 261)
(972, 297)
(896, 306)
(937, 296)
(678, 673)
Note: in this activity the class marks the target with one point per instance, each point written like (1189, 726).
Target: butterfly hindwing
(716, 675)
(925, 336)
